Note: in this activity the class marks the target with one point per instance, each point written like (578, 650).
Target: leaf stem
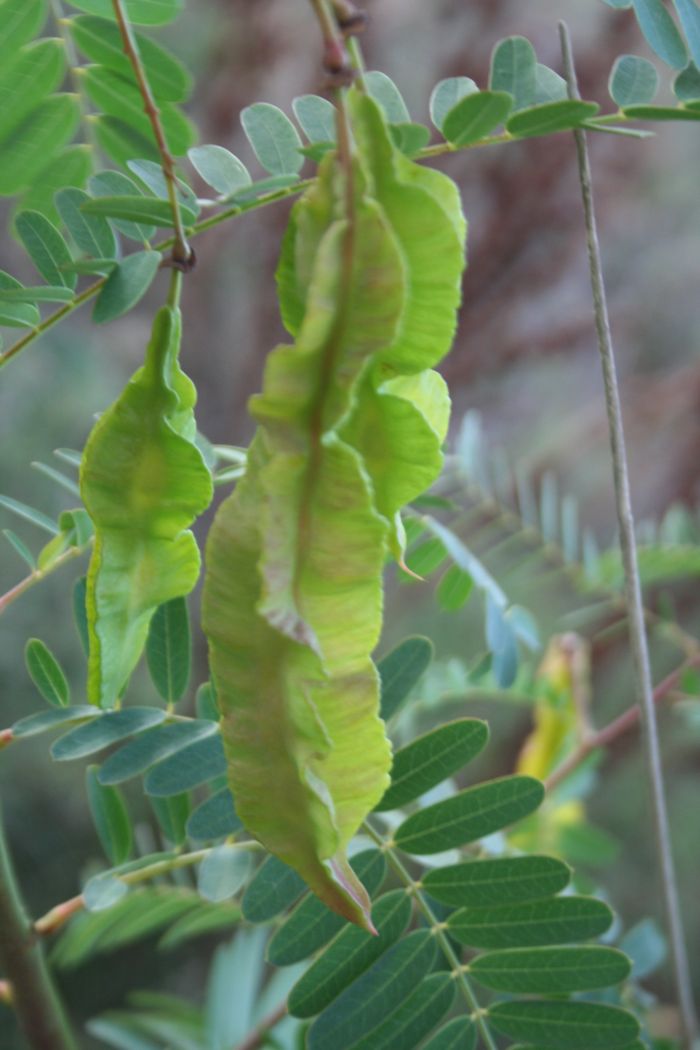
(38, 575)
(615, 729)
(33, 995)
(60, 913)
(458, 971)
(633, 590)
(182, 253)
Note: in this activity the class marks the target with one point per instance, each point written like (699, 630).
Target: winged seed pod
(143, 482)
(350, 424)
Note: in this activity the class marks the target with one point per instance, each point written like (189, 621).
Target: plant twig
(33, 995)
(600, 738)
(258, 1037)
(38, 575)
(182, 253)
(60, 913)
(633, 590)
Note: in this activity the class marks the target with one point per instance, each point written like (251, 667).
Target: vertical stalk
(182, 253)
(633, 590)
(34, 997)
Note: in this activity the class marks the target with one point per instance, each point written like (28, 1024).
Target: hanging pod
(292, 602)
(143, 482)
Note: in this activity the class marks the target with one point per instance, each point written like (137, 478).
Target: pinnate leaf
(110, 817)
(126, 285)
(661, 32)
(46, 673)
(432, 758)
(274, 888)
(386, 94)
(400, 670)
(469, 815)
(99, 733)
(550, 971)
(274, 138)
(148, 748)
(193, 765)
(222, 872)
(560, 920)
(169, 649)
(565, 1025)
(46, 247)
(513, 70)
(214, 818)
(475, 116)
(633, 81)
(91, 233)
(497, 881)
(550, 117)
(220, 169)
(446, 94)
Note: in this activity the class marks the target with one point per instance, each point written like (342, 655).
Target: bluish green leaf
(29, 148)
(662, 113)
(40, 293)
(464, 558)
(140, 12)
(549, 86)
(70, 167)
(220, 169)
(410, 138)
(214, 819)
(560, 920)
(151, 175)
(565, 1026)
(205, 703)
(274, 138)
(21, 21)
(497, 881)
(351, 953)
(633, 81)
(92, 233)
(550, 971)
(146, 211)
(126, 285)
(686, 86)
(432, 758)
(210, 918)
(470, 815)
(311, 924)
(380, 990)
(21, 547)
(46, 247)
(459, 1034)
(513, 70)
(122, 141)
(551, 117)
(172, 814)
(16, 315)
(151, 747)
(426, 557)
(46, 673)
(661, 32)
(317, 117)
(385, 92)
(274, 888)
(110, 817)
(476, 116)
(400, 670)
(109, 728)
(454, 589)
(646, 946)
(22, 510)
(100, 40)
(103, 891)
(445, 96)
(689, 14)
(80, 611)
(223, 871)
(416, 1016)
(115, 184)
(196, 764)
(32, 725)
(169, 649)
(26, 78)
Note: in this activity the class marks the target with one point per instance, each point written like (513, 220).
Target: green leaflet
(143, 482)
(292, 599)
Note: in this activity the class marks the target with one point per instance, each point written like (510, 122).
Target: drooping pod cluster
(143, 482)
(350, 426)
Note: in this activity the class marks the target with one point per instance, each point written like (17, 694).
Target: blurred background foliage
(525, 360)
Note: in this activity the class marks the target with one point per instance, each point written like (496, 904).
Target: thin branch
(38, 575)
(438, 930)
(258, 1037)
(633, 590)
(182, 253)
(611, 733)
(60, 913)
(33, 995)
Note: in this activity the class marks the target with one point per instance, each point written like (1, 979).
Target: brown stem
(182, 253)
(258, 1036)
(33, 995)
(336, 61)
(615, 729)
